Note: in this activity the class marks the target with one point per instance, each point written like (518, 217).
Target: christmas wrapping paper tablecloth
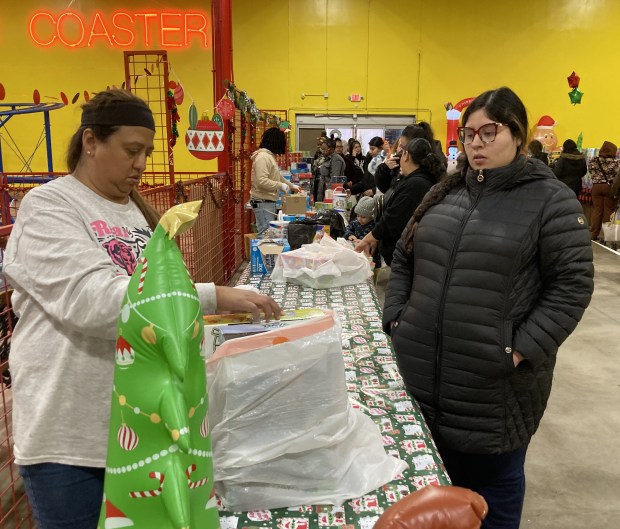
(374, 386)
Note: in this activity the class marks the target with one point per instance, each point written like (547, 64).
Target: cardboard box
(247, 239)
(263, 254)
(294, 204)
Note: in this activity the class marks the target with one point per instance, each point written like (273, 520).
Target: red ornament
(36, 97)
(127, 438)
(179, 94)
(63, 96)
(226, 108)
(86, 96)
(206, 141)
(2, 92)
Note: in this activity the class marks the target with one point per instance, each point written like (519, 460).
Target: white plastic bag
(611, 229)
(282, 428)
(325, 264)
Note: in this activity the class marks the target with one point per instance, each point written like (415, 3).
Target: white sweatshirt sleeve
(52, 258)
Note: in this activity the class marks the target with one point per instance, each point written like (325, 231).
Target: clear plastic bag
(323, 264)
(283, 430)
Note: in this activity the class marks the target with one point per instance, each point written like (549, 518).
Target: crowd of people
(482, 291)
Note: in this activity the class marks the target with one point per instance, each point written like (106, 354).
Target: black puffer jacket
(500, 265)
(570, 169)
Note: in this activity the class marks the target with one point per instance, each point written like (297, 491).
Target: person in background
(73, 248)
(492, 274)
(364, 220)
(535, 150)
(358, 182)
(332, 165)
(387, 173)
(420, 169)
(603, 169)
(376, 155)
(571, 166)
(266, 179)
(339, 147)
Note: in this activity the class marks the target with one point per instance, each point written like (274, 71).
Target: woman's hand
(295, 189)
(391, 162)
(517, 358)
(239, 300)
(367, 245)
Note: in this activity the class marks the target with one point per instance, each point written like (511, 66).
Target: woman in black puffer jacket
(571, 167)
(492, 274)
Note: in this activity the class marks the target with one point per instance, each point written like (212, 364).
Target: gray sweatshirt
(69, 258)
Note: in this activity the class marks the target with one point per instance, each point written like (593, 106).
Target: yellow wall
(25, 67)
(403, 57)
(376, 48)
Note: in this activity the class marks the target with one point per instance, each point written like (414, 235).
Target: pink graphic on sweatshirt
(124, 245)
(121, 255)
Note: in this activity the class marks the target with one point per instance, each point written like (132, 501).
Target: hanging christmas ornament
(36, 97)
(575, 96)
(193, 116)
(205, 140)
(225, 108)
(63, 98)
(179, 94)
(127, 438)
(573, 80)
(2, 92)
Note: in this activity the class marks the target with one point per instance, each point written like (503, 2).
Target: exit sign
(355, 98)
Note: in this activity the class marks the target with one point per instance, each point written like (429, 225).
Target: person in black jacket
(420, 168)
(492, 274)
(388, 172)
(571, 167)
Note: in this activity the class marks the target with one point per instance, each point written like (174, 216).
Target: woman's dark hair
(421, 153)
(352, 145)
(419, 130)
(331, 144)
(501, 105)
(99, 104)
(535, 147)
(569, 146)
(377, 141)
(274, 140)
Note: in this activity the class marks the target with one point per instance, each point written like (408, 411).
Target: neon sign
(122, 29)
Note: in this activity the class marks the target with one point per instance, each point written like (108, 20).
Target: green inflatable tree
(159, 471)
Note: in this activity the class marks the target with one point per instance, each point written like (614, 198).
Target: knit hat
(365, 207)
(608, 150)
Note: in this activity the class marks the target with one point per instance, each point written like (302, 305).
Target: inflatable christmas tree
(159, 470)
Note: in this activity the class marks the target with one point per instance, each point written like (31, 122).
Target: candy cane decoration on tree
(142, 274)
(194, 484)
(153, 492)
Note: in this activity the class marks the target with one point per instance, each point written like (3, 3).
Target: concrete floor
(573, 463)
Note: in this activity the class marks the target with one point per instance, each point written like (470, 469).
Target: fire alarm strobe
(355, 98)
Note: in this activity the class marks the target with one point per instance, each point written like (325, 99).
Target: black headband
(120, 113)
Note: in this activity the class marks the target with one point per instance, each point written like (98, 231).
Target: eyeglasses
(486, 133)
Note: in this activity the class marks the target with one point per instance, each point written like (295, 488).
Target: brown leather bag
(436, 507)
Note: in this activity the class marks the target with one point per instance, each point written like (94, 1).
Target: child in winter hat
(364, 222)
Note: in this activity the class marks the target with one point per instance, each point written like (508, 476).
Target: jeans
(499, 479)
(64, 496)
(264, 213)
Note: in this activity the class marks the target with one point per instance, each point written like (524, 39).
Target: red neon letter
(131, 33)
(202, 29)
(32, 22)
(97, 20)
(169, 29)
(70, 14)
(147, 41)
